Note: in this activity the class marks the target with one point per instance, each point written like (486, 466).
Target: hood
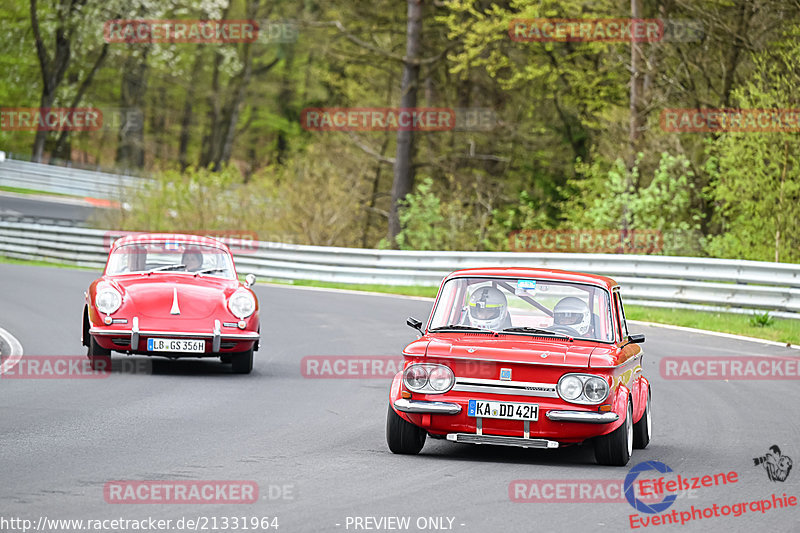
(157, 295)
(513, 348)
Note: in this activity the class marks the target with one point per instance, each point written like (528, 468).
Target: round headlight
(107, 300)
(415, 377)
(570, 387)
(242, 304)
(595, 389)
(441, 378)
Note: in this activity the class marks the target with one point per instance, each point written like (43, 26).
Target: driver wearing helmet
(573, 313)
(488, 309)
(193, 259)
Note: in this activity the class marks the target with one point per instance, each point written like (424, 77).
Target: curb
(11, 348)
(716, 334)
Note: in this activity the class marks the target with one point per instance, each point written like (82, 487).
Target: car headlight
(416, 377)
(242, 304)
(583, 388)
(107, 300)
(595, 389)
(429, 379)
(570, 387)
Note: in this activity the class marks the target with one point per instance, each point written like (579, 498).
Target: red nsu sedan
(172, 296)
(523, 357)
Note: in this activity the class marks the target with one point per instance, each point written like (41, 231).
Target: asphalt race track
(316, 447)
(43, 207)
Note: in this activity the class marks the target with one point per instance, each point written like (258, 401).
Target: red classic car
(523, 357)
(172, 296)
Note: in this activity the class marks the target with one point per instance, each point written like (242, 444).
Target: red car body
(171, 306)
(532, 367)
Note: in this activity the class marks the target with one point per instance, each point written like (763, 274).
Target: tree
(756, 174)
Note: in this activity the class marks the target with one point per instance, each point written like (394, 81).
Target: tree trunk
(403, 167)
(637, 87)
(130, 151)
(52, 69)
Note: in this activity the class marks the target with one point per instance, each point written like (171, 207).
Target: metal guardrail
(65, 180)
(659, 281)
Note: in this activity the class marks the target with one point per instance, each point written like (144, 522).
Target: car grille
(494, 386)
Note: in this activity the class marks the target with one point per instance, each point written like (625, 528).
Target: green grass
(427, 292)
(781, 330)
(20, 190)
(29, 262)
(778, 329)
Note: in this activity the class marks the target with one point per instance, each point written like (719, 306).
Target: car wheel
(403, 437)
(242, 362)
(642, 429)
(226, 359)
(99, 357)
(615, 449)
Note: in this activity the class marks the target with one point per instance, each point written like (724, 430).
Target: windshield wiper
(165, 267)
(537, 331)
(209, 270)
(458, 326)
(526, 329)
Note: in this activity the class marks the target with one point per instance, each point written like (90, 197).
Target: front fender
(620, 406)
(394, 394)
(641, 398)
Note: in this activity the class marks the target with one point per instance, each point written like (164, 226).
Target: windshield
(170, 257)
(525, 306)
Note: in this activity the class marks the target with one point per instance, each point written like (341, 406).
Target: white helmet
(488, 308)
(573, 313)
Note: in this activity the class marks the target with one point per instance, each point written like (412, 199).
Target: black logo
(777, 466)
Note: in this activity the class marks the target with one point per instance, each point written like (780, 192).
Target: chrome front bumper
(215, 334)
(434, 408)
(587, 417)
(502, 440)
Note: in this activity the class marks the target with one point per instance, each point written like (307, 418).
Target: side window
(621, 315)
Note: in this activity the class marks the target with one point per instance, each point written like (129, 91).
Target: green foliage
(556, 155)
(431, 224)
(195, 200)
(611, 196)
(761, 320)
(756, 175)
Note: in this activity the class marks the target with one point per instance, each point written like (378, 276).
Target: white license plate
(176, 345)
(505, 410)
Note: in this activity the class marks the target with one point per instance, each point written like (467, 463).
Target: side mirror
(637, 338)
(414, 323)
(249, 280)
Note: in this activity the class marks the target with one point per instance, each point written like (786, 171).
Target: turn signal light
(406, 395)
(605, 408)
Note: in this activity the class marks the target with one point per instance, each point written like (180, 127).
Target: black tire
(615, 449)
(99, 357)
(403, 437)
(226, 359)
(643, 428)
(242, 362)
